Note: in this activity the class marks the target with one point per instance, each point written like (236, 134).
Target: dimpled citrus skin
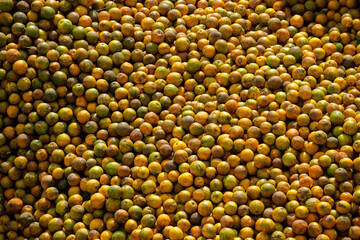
(179, 119)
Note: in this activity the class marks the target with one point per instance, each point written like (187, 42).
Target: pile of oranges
(180, 119)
